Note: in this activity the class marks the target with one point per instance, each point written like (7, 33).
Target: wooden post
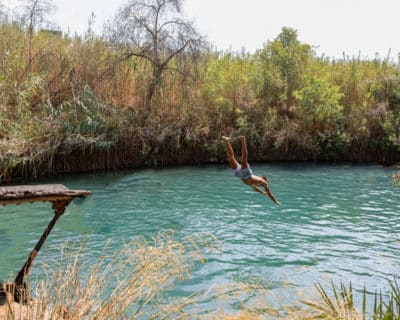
(20, 292)
(60, 196)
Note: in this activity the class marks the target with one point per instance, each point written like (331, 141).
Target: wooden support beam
(60, 197)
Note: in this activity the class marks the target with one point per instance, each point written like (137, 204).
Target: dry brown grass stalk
(133, 283)
(125, 284)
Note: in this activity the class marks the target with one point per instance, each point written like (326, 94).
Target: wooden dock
(60, 197)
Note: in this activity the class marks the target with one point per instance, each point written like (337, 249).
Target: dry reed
(133, 283)
(129, 283)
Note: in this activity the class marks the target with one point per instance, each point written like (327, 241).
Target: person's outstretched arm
(268, 193)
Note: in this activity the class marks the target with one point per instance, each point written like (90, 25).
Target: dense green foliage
(74, 103)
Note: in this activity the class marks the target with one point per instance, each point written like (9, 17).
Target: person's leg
(244, 152)
(229, 150)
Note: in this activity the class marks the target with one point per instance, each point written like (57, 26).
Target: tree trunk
(150, 93)
(155, 81)
(30, 35)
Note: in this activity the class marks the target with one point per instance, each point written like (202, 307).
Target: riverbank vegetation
(87, 102)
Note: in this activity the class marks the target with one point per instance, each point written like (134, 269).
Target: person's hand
(242, 138)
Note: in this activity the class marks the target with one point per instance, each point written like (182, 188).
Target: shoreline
(55, 176)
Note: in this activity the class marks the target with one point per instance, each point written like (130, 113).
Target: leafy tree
(321, 114)
(284, 62)
(228, 85)
(154, 31)
(319, 100)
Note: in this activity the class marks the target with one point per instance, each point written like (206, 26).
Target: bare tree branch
(153, 30)
(36, 11)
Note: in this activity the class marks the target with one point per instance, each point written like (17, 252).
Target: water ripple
(335, 221)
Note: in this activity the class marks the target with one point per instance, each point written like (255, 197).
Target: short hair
(265, 178)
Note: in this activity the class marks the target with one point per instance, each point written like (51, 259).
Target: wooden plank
(60, 196)
(38, 193)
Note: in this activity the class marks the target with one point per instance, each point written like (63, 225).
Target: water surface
(337, 222)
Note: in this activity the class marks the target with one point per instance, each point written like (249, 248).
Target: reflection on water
(336, 222)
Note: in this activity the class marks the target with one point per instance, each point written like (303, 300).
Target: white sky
(333, 26)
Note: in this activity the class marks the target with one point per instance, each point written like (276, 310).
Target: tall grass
(338, 303)
(128, 283)
(80, 106)
(134, 282)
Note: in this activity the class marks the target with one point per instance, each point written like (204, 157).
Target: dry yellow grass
(125, 284)
(130, 284)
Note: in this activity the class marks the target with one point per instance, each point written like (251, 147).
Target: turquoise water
(338, 222)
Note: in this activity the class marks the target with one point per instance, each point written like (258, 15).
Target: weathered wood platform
(34, 193)
(60, 197)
